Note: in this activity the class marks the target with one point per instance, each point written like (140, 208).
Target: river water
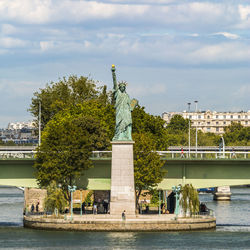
(232, 232)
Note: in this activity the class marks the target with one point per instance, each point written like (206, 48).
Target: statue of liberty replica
(123, 106)
(122, 168)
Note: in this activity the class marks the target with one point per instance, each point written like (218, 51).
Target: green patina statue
(123, 106)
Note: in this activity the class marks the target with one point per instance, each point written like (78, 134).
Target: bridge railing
(205, 154)
(101, 154)
(185, 154)
(17, 154)
(165, 154)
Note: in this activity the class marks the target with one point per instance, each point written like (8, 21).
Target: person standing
(124, 215)
(37, 207)
(32, 208)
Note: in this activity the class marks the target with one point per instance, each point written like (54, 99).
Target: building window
(199, 123)
(208, 117)
(217, 116)
(208, 129)
(217, 123)
(232, 116)
(190, 117)
(246, 116)
(217, 129)
(239, 116)
(224, 123)
(208, 123)
(199, 116)
(246, 122)
(224, 116)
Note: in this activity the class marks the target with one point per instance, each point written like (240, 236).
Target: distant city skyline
(169, 52)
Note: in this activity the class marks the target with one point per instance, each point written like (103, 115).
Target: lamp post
(71, 190)
(177, 191)
(81, 202)
(159, 201)
(223, 146)
(189, 103)
(196, 134)
(39, 124)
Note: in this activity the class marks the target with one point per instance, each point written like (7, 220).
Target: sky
(170, 52)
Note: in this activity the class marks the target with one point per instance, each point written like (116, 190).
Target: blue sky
(170, 52)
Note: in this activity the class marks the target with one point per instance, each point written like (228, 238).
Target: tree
(55, 198)
(148, 165)
(57, 96)
(178, 124)
(152, 125)
(67, 144)
(236, 134)
(189, 199)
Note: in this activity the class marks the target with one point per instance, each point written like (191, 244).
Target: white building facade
(21, 125)
(211, 121)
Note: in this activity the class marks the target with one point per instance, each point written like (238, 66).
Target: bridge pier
(222, 193)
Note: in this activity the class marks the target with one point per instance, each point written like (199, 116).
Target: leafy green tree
(178, 123)
(236, 134)
(152, 125)
(55, 198)
(148, 165)
(189, 199)
(67, 144)
(57, 96)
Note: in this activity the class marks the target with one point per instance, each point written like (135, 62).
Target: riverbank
(111, 223)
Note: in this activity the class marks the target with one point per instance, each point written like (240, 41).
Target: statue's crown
(122, 83)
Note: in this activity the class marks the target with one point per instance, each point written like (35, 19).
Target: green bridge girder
(201, 173)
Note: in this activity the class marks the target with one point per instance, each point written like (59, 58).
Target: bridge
(208, 171)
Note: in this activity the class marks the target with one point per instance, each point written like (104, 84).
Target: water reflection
(232, 232)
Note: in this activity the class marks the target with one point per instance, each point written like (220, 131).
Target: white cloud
(227, 35)
(8, 29)
(173, 14)
(9, 42)
(46, 45)
(244, 12)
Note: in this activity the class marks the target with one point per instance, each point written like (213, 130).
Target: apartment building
(211, 121)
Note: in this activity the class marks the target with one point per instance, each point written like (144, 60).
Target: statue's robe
(123, 116)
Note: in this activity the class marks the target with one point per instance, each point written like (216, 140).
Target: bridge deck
(201, 173)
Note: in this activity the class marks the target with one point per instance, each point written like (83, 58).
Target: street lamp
(189, 103)
(71, 190)
(196, 134)
(39, 124)
(223, 146)
(177, 191)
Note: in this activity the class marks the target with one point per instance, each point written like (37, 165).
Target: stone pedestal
(222, 194)
(122, 178)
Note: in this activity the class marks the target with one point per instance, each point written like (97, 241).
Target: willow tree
(189, 199)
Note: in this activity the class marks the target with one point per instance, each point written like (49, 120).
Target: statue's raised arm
(115, 87)
(123, 107)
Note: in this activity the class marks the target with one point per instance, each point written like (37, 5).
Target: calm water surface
(232, 232)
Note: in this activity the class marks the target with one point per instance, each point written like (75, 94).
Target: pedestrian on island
(105, 206)
(37, 207)
(124, 215)
(83, 207)
(94, 208)
(32, 208)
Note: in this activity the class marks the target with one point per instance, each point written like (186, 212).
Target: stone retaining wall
(119, 225)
